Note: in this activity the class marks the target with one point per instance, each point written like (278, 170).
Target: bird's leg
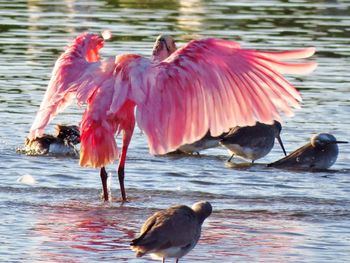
(126, 140)
(121, 179)
(104, 176)
(163, 260)
(177, 260)
(229, 160)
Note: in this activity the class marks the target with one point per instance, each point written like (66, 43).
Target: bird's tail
(98, 146)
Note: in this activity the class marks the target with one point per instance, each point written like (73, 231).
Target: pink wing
(69, 67)
(211, 85)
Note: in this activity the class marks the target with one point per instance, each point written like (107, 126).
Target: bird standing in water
(253, 142)
(179, 94)
(319, 154)
(173, 232)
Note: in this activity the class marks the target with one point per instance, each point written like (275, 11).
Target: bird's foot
(106, 197)
(121, 200)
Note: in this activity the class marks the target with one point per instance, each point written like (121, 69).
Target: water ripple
(260, 214)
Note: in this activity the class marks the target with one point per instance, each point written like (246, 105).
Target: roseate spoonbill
(62, 143)
(173, 232)
(253, 142)
(320, 153)
(179, 95)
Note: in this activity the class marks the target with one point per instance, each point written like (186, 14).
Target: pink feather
(68, 68)
(213, 85)
(208, 84)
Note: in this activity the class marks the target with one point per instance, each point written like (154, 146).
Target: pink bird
(179, 94)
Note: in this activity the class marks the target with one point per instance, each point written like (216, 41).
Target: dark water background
(261, 215)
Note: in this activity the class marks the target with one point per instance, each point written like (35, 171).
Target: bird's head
(202, 209)
(163, 47)
(89, 45)
(277, 127)
(69, 133)
(323, 139)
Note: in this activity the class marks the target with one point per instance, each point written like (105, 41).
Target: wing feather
(290, 54)
(239, 103)
(280, 85)
(70, 66)
(211, 85)
(276, 94)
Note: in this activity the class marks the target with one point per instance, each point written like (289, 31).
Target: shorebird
(62, 143)
(173, 232)
(252, 142)
(175, 97)
(320, 153)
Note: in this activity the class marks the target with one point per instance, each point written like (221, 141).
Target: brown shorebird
(252, 142)
(62, 143)
(173, 232)
(320, 153)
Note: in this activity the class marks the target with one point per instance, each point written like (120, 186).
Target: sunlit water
(260, 214)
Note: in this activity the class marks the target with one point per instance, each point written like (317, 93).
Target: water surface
(260, 214)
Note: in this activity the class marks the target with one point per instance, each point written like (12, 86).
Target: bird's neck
(76, 51)
(159, 55)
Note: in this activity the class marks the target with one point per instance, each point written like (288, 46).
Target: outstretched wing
(70, 66)
(211, 85)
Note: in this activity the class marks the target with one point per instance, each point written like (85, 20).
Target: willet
(173, 232)
(252, 142)
(320, 153)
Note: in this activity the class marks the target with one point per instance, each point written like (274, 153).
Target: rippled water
(260, 214)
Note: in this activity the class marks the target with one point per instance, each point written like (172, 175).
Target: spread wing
(211, 85)
(79, 56)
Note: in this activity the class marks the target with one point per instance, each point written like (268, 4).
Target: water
(260, 214)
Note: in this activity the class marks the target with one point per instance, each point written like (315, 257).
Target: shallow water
(260, 214)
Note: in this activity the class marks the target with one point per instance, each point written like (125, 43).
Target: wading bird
(179, 94)
(319, 154)
(173, 232)
(253, 142)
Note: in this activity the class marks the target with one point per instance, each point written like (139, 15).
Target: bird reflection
(81, 230)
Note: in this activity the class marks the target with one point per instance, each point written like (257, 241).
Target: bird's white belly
(172, 252)
(61, 149)
(243, 152)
